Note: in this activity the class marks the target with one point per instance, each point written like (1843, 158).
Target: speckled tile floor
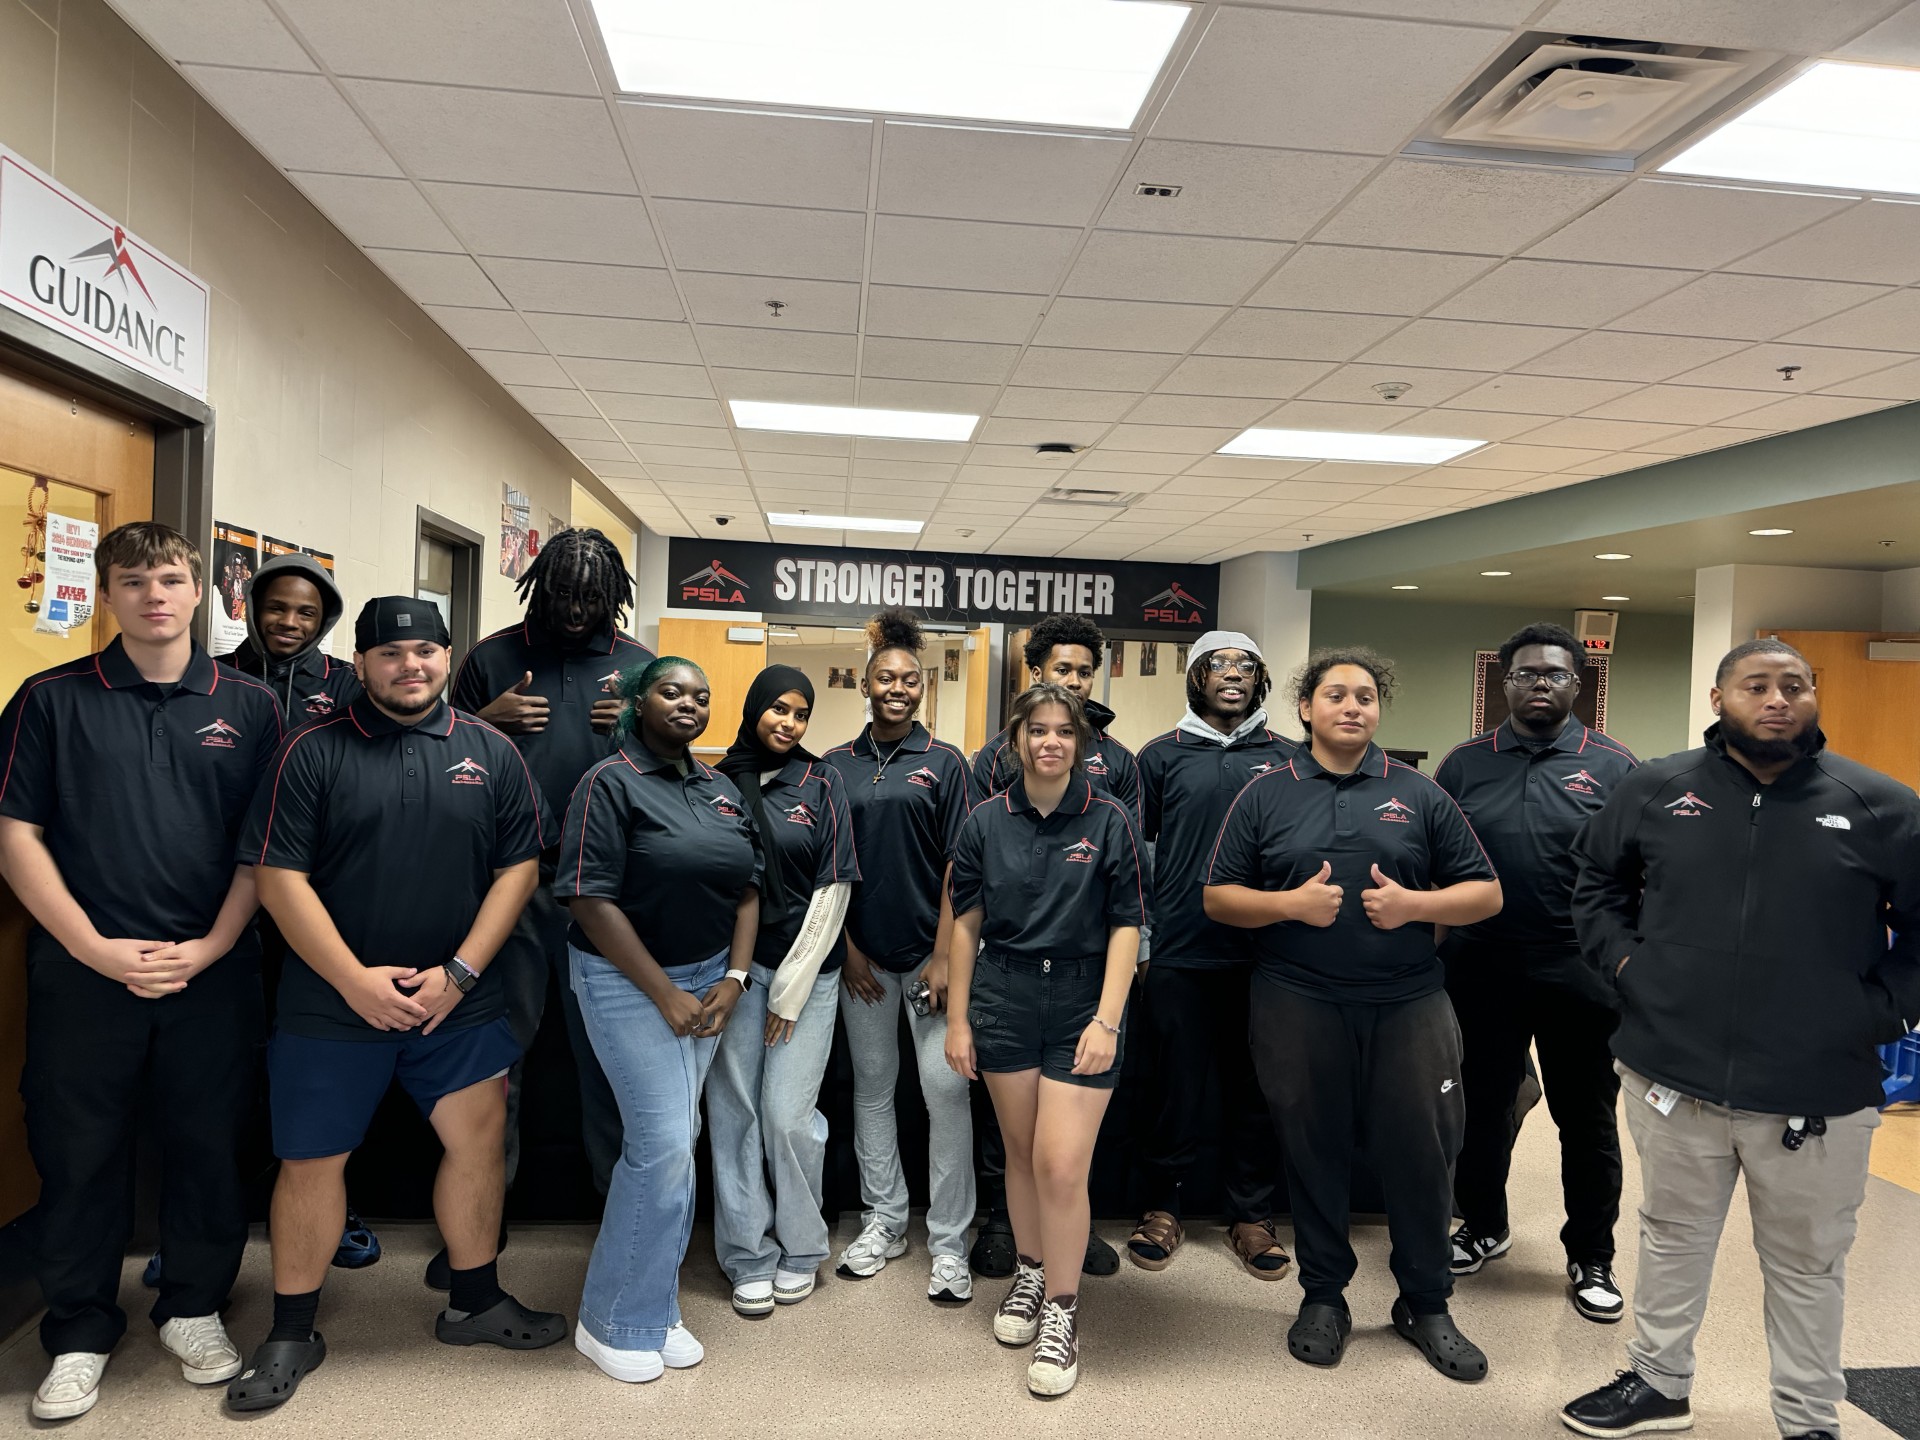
(1197, 1351)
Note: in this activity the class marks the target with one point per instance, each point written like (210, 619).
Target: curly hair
(1544, 633)
(1048, 693)
(1057, 630)
(636, 680)
(1307, 678)
(892, 630)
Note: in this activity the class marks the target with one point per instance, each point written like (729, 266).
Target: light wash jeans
(873, 1039)
(632, 1295)
(762, 1105)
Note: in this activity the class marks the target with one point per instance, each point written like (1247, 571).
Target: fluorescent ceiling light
(1495, 574)
(1035, 62)
(845, 522)
(1347, 445)
(852, 420)
(1629, 597)
(1406, 587)
(1837, 126)
(1612, 555)
(1770, 532)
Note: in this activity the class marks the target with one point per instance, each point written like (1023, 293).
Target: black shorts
(1030, 1014)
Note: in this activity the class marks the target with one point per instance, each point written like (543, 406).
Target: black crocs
(1319, 1335)
(274, 1373)
(1440, 1340)
(508, 1324)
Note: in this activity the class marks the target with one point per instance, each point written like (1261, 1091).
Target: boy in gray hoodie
(292, 606)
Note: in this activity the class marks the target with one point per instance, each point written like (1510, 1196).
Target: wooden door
(730, 666)
(1870, 709)
(979, 672)
(76, 459)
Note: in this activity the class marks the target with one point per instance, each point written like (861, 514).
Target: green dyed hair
(636, 680)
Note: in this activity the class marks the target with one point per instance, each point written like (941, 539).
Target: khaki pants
(1804, 1206)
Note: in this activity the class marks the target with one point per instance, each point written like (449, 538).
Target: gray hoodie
(311, 684)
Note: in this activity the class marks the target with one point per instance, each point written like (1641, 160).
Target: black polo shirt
(1286, 822)
(1052, 886)
(674, 852)
(908, 803)
(400, 830)
(1186, 785)
(570, 679)
(1110, 768)
(1527, 802)
(313, 688)
(139, 789)
(810, 836)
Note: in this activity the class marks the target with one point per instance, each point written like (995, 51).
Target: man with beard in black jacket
(1739, 898)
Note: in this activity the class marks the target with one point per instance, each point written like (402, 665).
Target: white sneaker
(753, 1298)
(868, 1255)
(71, 1387)
(682, 1351)
(790, 1288)
(200, 1344)
(952, 1283)
(635, 1367)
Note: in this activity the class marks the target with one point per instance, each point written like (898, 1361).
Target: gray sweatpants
(1804, 1204)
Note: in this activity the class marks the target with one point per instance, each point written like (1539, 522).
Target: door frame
(466, 571)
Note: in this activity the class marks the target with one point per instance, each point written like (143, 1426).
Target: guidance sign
(68, 266)
(1119, 595)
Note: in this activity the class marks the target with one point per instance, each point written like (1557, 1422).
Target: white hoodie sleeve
(793, 981)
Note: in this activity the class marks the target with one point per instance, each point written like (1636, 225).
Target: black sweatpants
(1200, 1082)
(1503, 1005)
(1382, 1081)
(97, 1056)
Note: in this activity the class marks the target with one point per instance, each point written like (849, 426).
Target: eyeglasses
(1527, 679)
(1248, 668)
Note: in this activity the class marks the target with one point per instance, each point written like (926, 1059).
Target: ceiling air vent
(1587, 101)
(1081, 499)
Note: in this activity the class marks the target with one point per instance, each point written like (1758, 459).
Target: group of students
(1355, 958)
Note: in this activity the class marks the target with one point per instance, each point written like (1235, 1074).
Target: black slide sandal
(1440, 1340)
(275, 1372)
(1319, 1335)
(508, 1324)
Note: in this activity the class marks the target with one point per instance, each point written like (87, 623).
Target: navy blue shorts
(324, 1093)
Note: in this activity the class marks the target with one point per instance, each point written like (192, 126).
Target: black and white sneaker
(1471, 1251)
(1626, 1405)
(1596, 1294)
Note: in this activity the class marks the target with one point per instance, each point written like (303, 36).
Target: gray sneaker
(868, 1255)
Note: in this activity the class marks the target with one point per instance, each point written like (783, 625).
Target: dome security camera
(723, 519)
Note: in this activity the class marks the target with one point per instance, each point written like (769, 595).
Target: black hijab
(747, 758)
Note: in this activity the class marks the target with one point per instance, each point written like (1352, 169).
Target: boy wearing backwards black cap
(406, 833)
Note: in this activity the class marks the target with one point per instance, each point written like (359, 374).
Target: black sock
(476, 1289)
(293, 1316)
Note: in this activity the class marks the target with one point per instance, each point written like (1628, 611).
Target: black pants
(1375, 1080)
(1200, 1083)
(1502, 1009)
(97, 1055)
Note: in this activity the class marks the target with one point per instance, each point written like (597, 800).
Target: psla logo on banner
(1174, 606)
(715, 585)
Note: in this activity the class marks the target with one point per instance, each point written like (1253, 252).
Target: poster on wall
(270, 548)
(1149, 658)
(1117, 664)
(1490, 692)
(951, 666)
(236, 555)
(67, 602)
(516, 520)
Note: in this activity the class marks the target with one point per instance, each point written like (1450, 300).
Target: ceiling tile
(378, 213)
(1464, 344)
(1033, 403)
(1746, 307)
(1259, 379)
(433, 279)
(1558, 292)
(937, 360)
(1379, 282)
(1469, 424)
(969, 254)
(742, 300)
(1680, 404)
(486, 329)
(692, 457)
(1798, 412)
(699, 437)
(1889, 323)
(1878, 240)
(1541, 459)
(1478, 209)
(640, 378)
(1330, 415)
(1615, 355)
(1233, 190)
(1317, 82)
(1236, 411)
(1758, 367)
(502, 44)
(598, 449)
(903, 470)
(763, 240)
(220, 32)
(946, 397)
(752, 348)
(1091, 369)
(1126, 324)
(1195, 440)
(783, 443)
(600, 337)
(574, 427)
(870, 449)
(1692, 227)
(1538, 395)
(1354, 384)
(1733, 23)
(1127, 265)
(1897, 382)
(971, 173)
(777, 464)
(512, 367)
(549, 224)
(543, 141)
(788, 387)
(1297, 334)
(951, 314)
(1592, 434)
(1706, 437)
(573, 288)
(299, 121)
(559, 400)
(670, 409)
(1028, 433)
(759, 159)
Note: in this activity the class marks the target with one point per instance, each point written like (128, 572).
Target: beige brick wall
(340, 406)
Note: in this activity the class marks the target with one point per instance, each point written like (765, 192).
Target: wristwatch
(461, 974)
(742, 976)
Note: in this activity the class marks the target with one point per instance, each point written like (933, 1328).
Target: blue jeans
(632, 1295)
(762, 1104)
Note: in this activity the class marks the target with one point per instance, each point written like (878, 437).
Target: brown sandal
(1154, 1240)
(1259, 1248)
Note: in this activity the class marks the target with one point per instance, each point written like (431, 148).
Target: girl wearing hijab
(765, 1082)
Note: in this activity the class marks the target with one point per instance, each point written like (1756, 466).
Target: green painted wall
(1432, 647)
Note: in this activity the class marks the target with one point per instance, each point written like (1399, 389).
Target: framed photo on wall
(1490, 692)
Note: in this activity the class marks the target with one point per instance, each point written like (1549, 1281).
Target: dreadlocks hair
(636, 680)
(1307, 678)
(1197, 682)
(1030, 700)
(892, 630)
(1058, 630)
(1544, 633)
(579, 559)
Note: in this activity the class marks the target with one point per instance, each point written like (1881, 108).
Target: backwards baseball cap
(388, 619)
(1226, 640)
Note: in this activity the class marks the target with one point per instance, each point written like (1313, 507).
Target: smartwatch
(461, 974)
(742, 976)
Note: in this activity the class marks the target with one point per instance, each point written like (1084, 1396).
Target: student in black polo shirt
(909, 794)
(1049, 875)
(128, 773)
(1342, 862)
(762, 1095)
(292, 607)
(394, 845)
(1517, 979)
(1193, 997)
(547, 684)
(660, 864)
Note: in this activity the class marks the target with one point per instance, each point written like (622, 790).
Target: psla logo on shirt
(1262, 768)
(723, 805)
(1081, 852)
(607, 682)
(1396, 810)
(1097, 765)
(800, 813)
(468, 771)
(924, 778)
(1581, 783)
(318, 703)
(219, 734)
(1687, 804)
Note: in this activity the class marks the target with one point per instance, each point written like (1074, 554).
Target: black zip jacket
(1753, 920)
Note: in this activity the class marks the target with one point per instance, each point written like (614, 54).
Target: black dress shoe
(1626, 1405)
(1101, 1258)
(993, 1250)
(440, 1268)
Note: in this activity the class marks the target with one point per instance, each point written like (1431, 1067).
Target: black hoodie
(310, 684)
(1110, 766)
(1753, 919)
